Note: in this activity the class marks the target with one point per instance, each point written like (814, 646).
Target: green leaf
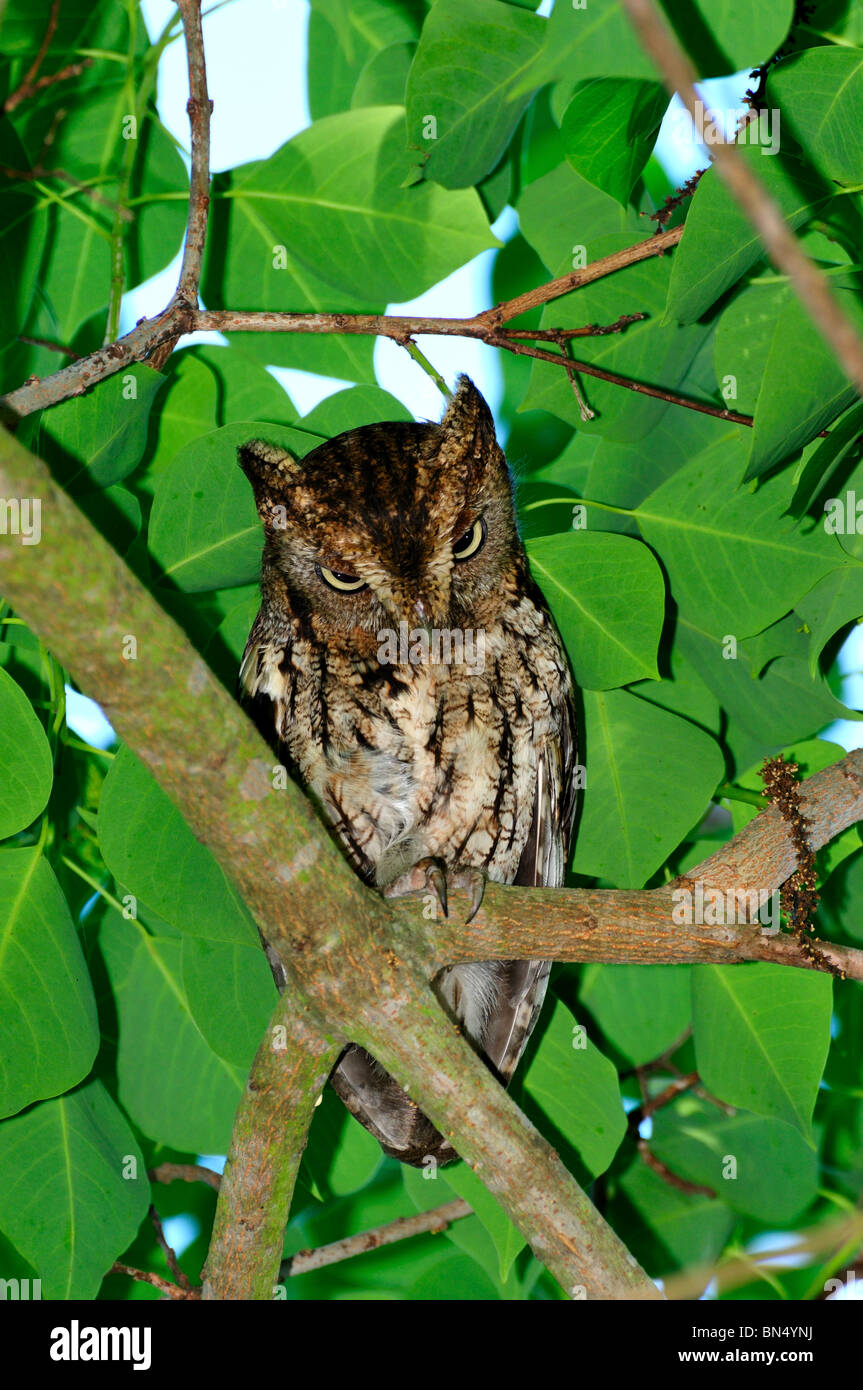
(744, 335)
(609, 129)
(152, 853)
(735, 561)
(835, 600)
(826, 459)
(681, 1230)
(577, 1090)
(205, 532)
(73, 1189)
(333, 197)
(561, 212)
(25, 757)
(102, 434)
(593, 40)
(345, 37)
(774, 1173)
(820, 92)
(383, 80)
(50, 1028)
(803, 387)
(719, 244)
(637, 809)
(244, 264)
(231, 994)
(471, 55)
(641, 1009)
(174, 1087)
(607, 596)
(783, 706)
(761, 1037)
(507, 1238)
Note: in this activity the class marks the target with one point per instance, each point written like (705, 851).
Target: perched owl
(406, 667)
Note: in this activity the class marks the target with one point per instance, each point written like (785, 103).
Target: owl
(407, 669)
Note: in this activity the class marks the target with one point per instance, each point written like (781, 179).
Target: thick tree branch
(270, 1130)
(811, 287)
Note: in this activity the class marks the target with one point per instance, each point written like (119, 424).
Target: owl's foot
(434, 874)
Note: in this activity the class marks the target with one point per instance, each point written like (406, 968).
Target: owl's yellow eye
(472, 541)
(342, 583)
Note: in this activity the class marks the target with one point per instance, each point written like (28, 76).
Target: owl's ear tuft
(468, 425)
(268, 468)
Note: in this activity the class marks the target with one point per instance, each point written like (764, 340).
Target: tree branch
(269, 1135)
(150, 339)
(421, 1223)
(761, 209)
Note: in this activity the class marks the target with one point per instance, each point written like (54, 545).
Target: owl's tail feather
(379, 1103)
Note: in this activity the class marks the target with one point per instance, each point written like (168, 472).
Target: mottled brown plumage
(385, 549)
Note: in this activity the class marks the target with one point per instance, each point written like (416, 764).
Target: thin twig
(25, 87)
(199, 108)
(692, 1189)
(167, 1250)
(52, 347)
(145, 1276)
(759, 207)
(185, 1172)
(438, 1219)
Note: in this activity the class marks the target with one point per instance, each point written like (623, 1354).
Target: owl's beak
(421, 611)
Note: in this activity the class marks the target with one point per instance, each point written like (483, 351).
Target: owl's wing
(523, 983)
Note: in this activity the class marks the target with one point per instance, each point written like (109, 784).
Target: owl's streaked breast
(420, 760)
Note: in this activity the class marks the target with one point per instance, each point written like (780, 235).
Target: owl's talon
(436, 879)
(475, 884)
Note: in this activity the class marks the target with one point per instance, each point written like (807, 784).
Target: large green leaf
(803, 387)
(774, 1172)
(153, 854)
(334, 198)
(641, 1009)
(637, 807)
(761, 715)
(244, 264)
(609, 129)
(231, 994)
(174, 1087)
(471, 55)
(561, 212)
(102, 434)
(734, 560)
(73, 1189)
(25, 757)
(608, 598)
(50, 1029)
(671, 1229)
(577, 1090)
(744, 335)
(597, 39)
(820, 92)
(761, 1037)
(344, 39)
